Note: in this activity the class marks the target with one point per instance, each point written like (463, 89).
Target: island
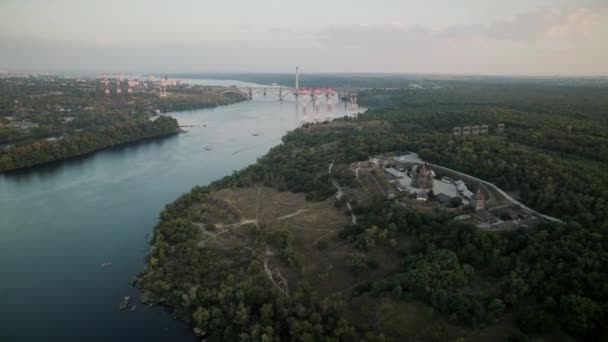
(51, 118)
(464, 211)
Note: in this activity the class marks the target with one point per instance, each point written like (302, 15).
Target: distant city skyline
(473, 37)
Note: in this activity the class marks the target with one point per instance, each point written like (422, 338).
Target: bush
(322, 244)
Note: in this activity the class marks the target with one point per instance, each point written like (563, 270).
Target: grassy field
(236, 217)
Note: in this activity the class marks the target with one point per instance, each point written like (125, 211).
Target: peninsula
(341, 233)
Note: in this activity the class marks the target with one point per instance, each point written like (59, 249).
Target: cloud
(546, 24)
(374, 36)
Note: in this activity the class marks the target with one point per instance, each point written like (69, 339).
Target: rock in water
(125, 303)
(198, 332)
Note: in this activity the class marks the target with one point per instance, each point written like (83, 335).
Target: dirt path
(356, 171)
(236, 225)
(270, 277)
(339, 195)
(377, 184)
(257, 208)
(295, 213)
(283, 280)
(324, 235)
(315, 229)
(270, 254)
(232, 205)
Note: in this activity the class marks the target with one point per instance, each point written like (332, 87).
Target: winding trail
(269, 253)
(339, 195)
(295, 213)
(377, 184)
(331, 166)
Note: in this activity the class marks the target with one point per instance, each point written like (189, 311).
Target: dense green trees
(72, 146)
(552, 278)
(226, 293)
(78, 111)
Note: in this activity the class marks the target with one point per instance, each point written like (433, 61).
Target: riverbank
(101, 207)
(41, 153)
(266, 242)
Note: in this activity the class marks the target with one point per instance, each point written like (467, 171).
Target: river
(60, 222)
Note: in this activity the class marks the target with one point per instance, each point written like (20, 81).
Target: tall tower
(129, 90)
(107, 88)
(163, 87)
(478, 200)
(118, 90)
(297, 78)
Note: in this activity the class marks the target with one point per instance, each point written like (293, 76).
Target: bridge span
(349, 94)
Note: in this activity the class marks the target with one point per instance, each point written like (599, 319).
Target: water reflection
(63, 219)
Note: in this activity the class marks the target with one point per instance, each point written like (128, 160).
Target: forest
(72, 146)
(394, 81)
(544, 282)
(51, 118)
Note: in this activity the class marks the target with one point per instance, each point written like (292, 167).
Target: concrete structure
(444, 199)
(501, 128)
(475, 130)
(349, 94)
(466, 130)
(421, 177)
(462, 188)
(297, 78)
(457, 131)
(478, 201)
(483, 216)
(163, 87)
(405, 184)
(393, 173)
(422, 195)
(447, 179)
(483, 129)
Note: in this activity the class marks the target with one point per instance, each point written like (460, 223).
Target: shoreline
(89, 153)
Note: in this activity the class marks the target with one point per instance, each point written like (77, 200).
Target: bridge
(348, 94)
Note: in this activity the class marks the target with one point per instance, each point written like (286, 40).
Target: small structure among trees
(478, 201)
(421, 177)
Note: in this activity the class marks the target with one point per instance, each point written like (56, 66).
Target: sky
(482, 37)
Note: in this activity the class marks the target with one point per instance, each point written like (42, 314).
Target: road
(499, 190)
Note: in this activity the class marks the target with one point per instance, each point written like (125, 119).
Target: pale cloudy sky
(516, 37)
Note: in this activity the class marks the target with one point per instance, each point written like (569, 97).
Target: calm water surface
(59, 223)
